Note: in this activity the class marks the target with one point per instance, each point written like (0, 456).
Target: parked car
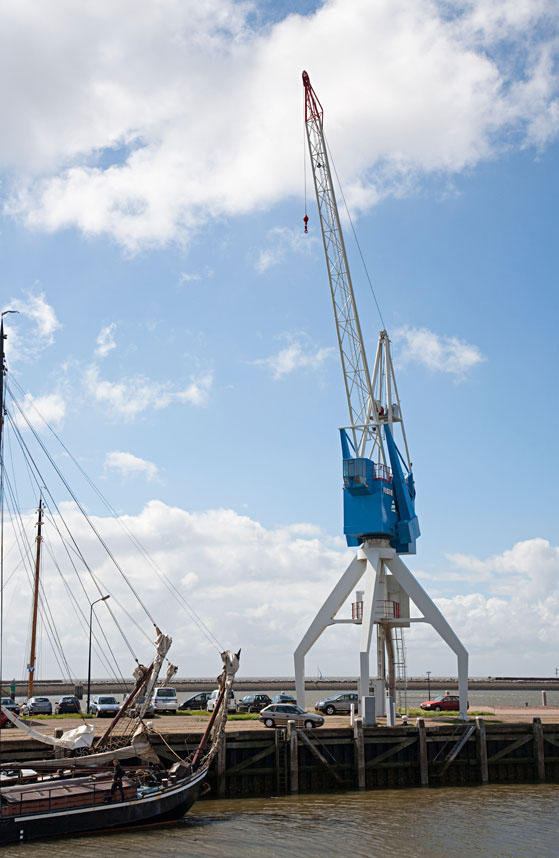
(137, 704)
(284, 698)
(8, 703)
(37, 706)
(198, 701)
(278, 714)
(338, 703)
(67, 704)
(212, 700)
(165, 700)
(104, 706)
(5, 721)
(446, 703)
(253, 702)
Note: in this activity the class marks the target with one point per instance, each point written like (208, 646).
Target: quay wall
(288, 761)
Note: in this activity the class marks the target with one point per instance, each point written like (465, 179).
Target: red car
(4, 721)
(447, 703)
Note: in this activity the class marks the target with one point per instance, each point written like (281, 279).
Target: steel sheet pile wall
(275, 762)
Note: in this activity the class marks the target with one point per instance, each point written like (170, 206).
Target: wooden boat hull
(166, 805)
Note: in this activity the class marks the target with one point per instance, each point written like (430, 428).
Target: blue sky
(175, 322)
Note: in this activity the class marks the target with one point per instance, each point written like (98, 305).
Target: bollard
(59, 752)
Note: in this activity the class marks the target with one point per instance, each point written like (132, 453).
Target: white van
(212, 700)
(165, 700)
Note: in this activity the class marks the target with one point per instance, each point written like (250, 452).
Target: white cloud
(25, 344)
(299, 354)
(36, 412)
(259, 588)
(131, 396)
(105, 340)
(128, 464)
(187, 277)
(190, 112)
(529, 570)
(281, 242)
(254, 587)
(435, 352)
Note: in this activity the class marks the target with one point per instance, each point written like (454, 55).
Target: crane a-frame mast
(368, 445)
(352, 351)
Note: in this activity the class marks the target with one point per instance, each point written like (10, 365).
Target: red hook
(305, 221)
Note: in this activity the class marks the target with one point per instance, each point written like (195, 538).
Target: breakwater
(57, 687)
(288, 761)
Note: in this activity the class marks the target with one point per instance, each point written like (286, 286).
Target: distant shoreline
(104, 686)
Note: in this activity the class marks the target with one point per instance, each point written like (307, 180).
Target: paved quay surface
(186, 724)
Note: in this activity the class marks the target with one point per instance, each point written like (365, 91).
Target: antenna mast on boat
(31, 665)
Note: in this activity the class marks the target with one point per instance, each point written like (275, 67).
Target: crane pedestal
(385, 576)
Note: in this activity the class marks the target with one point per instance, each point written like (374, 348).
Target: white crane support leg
(434, 617)
(370, 598)
(323, 619)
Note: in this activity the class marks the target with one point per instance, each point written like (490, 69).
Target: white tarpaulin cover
(80, 737)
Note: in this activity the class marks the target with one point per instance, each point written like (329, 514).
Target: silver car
(104, 705)
(37, 706)
(338, 703)
(278, 714)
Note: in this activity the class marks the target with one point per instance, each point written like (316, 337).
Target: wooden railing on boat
(41, 797)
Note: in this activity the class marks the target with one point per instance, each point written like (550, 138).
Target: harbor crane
(378, 484)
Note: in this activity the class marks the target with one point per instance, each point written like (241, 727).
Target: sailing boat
(74, 794)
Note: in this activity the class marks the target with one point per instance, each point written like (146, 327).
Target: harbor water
(498, 821)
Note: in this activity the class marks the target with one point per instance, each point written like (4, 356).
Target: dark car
(446, 703)
(67, 704)
(198, 701)
(8, 703)
(284, 698)
(37, 706)
(278, 714)
(253, 703)
(338, 703)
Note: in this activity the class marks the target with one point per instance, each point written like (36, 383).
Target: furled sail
(80, 737)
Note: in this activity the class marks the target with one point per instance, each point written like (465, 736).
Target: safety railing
(383, 472)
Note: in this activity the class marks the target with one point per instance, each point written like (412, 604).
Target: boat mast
(31, 665)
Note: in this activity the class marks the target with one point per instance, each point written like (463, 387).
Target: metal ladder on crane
(400, 670)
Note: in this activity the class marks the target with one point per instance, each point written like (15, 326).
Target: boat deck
(58, 794)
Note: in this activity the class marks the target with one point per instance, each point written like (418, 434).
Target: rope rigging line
(116, 674)
(48, 494)
(199, 622)
(101, 588)
(183, 602)
(44, 607)
(75, 499)
(354, 232)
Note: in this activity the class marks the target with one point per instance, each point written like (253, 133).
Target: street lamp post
(102, 599)
(428, 685)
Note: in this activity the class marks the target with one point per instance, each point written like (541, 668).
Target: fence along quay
(275, 762)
